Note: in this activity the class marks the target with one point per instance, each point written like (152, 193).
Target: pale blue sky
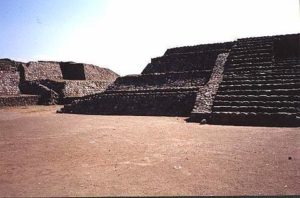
(32, 27)
(125, 34)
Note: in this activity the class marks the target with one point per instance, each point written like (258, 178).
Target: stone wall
(214, 47)
(9, 83)
(47, 95)
(18, 100)
(9, 77)
(96, 73)
(160, 80)
(42, 70)
(199, 57)
(181, 62)
(82, 88)
(172, 104)
(61, 89)
(8, 65)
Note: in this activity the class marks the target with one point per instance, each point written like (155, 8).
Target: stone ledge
(19, 100)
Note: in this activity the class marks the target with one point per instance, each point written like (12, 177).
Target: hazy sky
(124, 35)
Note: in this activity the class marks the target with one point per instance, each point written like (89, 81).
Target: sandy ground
(47, 154)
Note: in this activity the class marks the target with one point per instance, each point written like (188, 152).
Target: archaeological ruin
(48, 82)
(250, 81)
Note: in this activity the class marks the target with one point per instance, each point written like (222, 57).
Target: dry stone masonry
(251, 81)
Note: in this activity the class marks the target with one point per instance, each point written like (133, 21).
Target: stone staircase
(257, 89)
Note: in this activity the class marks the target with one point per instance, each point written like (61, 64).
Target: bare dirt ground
(47, 154)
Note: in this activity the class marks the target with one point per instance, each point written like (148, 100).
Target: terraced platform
(251, 81)
(140, 95)
(167, 86)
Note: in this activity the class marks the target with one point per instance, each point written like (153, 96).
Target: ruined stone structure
(48, 82)
(167, 86)
(251, 81)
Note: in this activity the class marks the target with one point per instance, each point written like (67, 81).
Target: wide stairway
(258, 89)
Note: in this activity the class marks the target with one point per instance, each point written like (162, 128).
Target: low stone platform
(166, 103)
(18, 100)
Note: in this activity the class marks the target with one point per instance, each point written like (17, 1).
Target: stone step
(204, 47)
(259, 81)
(258, 103)
(267, 76)
(261, 68)
(251, 55)
(163, 78)
(251, 60)
(251, 39)
(252, 47)
(255, 119)
(250, 64)
(264, 72)
(196, 71)
(259, 86)
(295, 91)
(293, 59)
(257, 98)
(286, 63)
(255, 42)
(262, 109)
(166, 89)
(124, 94)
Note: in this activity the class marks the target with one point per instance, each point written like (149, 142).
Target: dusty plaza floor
(47, 154)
